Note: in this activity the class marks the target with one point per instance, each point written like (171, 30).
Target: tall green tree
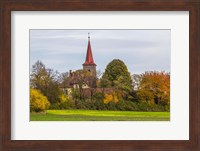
(116, 75)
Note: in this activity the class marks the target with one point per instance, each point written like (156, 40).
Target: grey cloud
(141, 50)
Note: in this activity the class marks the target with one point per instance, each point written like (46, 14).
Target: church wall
(90, 68)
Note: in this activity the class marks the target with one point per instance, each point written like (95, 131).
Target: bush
(55, 106)
(65, 103)
(38, 102)
(110, 98)
(109, 102)
(98, 96)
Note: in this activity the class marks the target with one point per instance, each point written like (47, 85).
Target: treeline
(115, 89)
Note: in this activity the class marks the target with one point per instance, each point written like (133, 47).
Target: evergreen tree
(116, 75)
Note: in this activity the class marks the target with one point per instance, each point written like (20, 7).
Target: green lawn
(94, 115)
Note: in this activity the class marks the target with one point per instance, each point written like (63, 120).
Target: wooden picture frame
(193, 6)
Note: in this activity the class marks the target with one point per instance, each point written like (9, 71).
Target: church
(89, 64)
(85, 77)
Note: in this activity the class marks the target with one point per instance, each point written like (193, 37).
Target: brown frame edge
(6, 6)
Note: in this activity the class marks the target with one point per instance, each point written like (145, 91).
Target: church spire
(89, 57)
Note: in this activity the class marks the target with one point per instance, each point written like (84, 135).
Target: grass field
(94, 115)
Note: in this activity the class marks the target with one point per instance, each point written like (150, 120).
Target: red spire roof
(89, 58)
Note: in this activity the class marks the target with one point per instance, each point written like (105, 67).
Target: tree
(116, 75)
(63, 79)
(46, 80)
(136, 78)
(38, 102)
(155, 87)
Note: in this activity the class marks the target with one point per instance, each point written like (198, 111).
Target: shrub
(55, 106)
(110, 98)
(98, 96)
(64, 103)
(38, 102)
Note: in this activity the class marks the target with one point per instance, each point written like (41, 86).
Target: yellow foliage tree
(110, 98)
(38, 102)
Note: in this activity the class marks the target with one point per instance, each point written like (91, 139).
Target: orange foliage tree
(154, 88)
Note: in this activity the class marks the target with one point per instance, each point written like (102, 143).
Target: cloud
(141, 50)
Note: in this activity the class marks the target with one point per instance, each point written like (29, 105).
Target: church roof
(89, 57)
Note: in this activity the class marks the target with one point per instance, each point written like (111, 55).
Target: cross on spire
(88, 36)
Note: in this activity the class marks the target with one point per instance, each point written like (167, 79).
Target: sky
(64, 50)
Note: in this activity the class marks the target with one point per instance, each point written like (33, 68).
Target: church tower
(89, 64)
